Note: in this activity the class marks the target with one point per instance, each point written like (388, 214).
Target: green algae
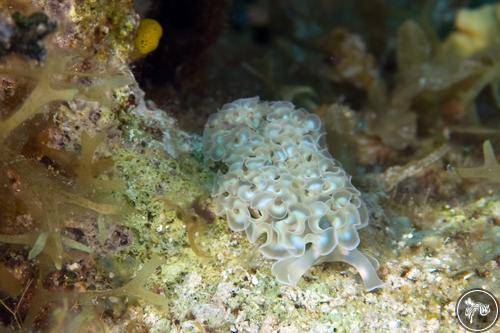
(490, 170)
(153, 174)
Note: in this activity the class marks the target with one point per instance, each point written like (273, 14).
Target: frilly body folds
(282, 186)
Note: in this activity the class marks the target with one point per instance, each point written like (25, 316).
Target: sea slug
(281, 183)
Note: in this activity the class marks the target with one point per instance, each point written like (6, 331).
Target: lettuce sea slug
(281, 182)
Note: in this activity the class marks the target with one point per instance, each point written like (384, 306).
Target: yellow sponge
(476, 29)
(148, 36)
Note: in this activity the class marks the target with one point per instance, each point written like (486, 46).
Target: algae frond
(489, 170)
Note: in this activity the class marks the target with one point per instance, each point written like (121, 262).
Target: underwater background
(125, 173)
